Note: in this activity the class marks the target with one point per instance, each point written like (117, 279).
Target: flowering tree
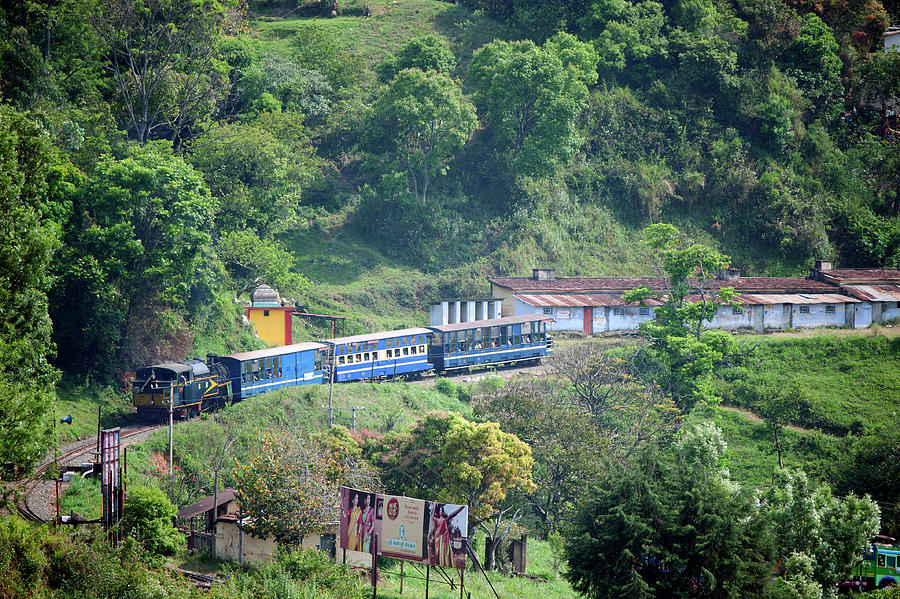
(290, 485)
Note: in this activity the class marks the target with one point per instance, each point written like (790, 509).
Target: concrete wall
(725, 318)
(862, 314)
(890, 310)
(817, 316)
(564, 319)
(229, 544)
(629, 320)
(601, 318)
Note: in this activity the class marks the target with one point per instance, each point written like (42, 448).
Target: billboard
(405, 527)
(448, 528)
(402, 527)
(357, 520)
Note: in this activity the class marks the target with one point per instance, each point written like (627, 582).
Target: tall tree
(682, 354)
(162, 59)
(424, 120)
(27, 242)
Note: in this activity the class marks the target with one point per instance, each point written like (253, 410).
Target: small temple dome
(264, 297)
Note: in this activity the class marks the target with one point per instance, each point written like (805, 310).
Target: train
(189, 387)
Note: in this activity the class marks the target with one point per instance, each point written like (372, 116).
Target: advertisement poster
(400, 526)
(448, 529)
(357, 520)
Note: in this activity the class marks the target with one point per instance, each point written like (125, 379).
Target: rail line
(28, 487)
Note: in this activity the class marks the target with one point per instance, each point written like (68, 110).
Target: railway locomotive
(194, 386)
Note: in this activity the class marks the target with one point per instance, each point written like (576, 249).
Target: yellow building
(269, 318)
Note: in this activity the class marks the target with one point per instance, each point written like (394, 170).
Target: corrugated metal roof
(492, 322)
(566, 285)
(757, 299)
(567, 301)
(205, 505)
(874, 293)
(377, 336)
(862, 275)
(276, 351)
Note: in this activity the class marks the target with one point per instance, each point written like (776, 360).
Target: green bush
(148, 518)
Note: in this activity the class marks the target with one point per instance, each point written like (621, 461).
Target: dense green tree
(252, 261)
(530, 96)
(136, 234)
(422, 121)
(814, 63)
(670, 524)
(257, 171)
(448, 458)
(426, 53)
(27, 243)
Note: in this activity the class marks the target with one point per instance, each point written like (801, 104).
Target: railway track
(38, 494)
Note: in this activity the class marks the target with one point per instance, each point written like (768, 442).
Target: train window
(277, 363)
(421, 349)
(366, 357)
(340, 360)
(317, 361)
(504, 335)
(517, 340)
(412, 350)
(486, 336)
(405, 351)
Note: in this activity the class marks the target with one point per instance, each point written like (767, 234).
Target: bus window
(891, 561)
(881, 560)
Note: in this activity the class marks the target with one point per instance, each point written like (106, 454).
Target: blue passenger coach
(380, 355)
(496, 341)
(255, 372)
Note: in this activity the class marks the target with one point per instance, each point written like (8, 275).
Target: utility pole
(171, 418)
(331, 391)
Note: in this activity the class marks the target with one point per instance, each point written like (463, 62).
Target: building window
(618, 312)
(829, 309)
(804, 309)
(737, 311)
(265, 312)
(644, 311)
(565, 315)
(548, 310)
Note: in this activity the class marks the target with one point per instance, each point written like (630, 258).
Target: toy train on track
(193, 386)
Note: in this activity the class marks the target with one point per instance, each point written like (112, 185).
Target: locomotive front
(155, 385)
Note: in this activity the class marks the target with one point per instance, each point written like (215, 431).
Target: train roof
(281, 350)
(196, 367)
(493, 322)
(377, 336)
